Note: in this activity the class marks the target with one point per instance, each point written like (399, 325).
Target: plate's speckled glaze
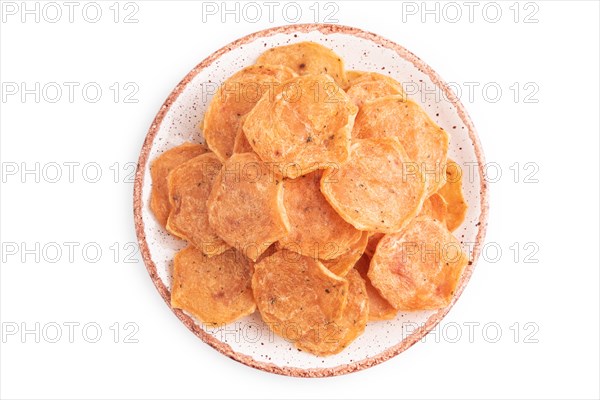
(249, 340)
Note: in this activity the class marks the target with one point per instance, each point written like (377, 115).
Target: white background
(556, 355)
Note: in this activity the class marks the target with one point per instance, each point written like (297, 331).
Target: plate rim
(224, 348)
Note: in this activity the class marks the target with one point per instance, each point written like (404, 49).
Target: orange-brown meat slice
(435, 207)
(307, 58)
(424, 141)
(418, 268)
(295, 293)
(366, 86)
(316, 228)
(160, 168)
(234, 99)
(304, 127)
(217, 290)
(375, 191)
(379, 308)
(332, 338)
(245, 206)
(452, 193)
(189, 187)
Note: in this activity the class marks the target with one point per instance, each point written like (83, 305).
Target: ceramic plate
(249, 340)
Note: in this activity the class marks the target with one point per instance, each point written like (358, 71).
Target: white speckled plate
(249, 340)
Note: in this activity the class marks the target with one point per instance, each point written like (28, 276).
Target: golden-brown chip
(424, 141)
(295, 293)
(452, 193)
(234, 99)
(316, 228)
(418, 268)
(245, 206)
(305, 126)
(217, 290)
(374, 239)
(160, 169)
(366, 86)
(379, 308)
(344, 263)
(307, 58)
(351, 76)
(379, 190)
(435, 207)
(241, 144)
(189, 185)
(333, 337)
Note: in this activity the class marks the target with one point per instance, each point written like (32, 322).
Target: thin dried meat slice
(424, 141)
(316, 229)
(307, 58)
(435, 207)
(344, 263)
(379, 308)
(333, 337)
(379, 190)
(452, 193)
(241, 144)
(234, 99)
(295, 293)
(368, 86)
(418, 268)
(304, 127)
(189, 187)
(159, 171)
(351, 76)
(245, 206)
(216, 290)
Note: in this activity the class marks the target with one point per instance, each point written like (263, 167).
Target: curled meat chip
(306, 126)
(380, 190)
(245, 206)
(307, 58)
(217, 290)
(234, 99)
(159, 171)
(418, 268)
(295, 293)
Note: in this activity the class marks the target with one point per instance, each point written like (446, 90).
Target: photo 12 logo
(68, 332)
(53, 12)
(270, 11)
(82, 253)
(470, 11)
(67, 172)
(477, 331)
(69, 92)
